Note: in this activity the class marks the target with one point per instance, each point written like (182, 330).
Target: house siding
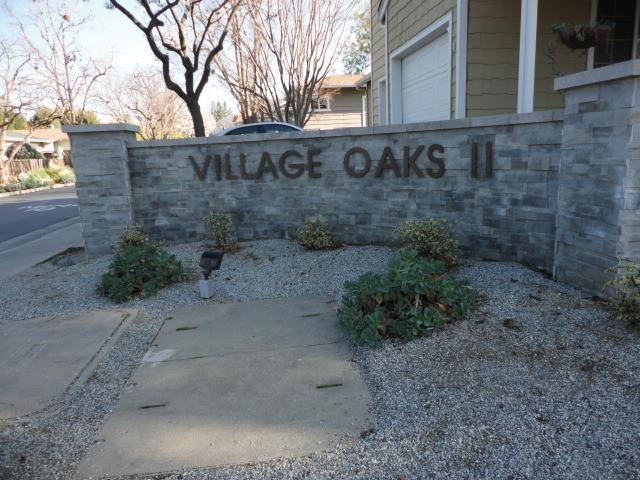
(346, 111)
(378, 66)
(492, 56)
(492, 52)
(406, 19)
(553, 59)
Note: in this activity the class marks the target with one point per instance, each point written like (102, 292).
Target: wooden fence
(18, 166)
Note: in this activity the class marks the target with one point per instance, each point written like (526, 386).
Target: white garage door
(426, 82)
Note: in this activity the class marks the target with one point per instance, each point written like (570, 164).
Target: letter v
(201, 173)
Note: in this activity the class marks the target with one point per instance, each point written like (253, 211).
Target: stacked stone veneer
(563, 194)
(599, 196)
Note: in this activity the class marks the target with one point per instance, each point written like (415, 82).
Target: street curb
(39, 189)
(28, 237)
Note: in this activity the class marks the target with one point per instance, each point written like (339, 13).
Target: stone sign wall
(365, 183)
(554, 189)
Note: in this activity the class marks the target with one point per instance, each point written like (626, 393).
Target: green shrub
(430, 237)
(412, 297)
(26, 152)
(12, 187)
(54, 173)
(67, 175)
(139, 270)
(625, 305)
(315, 235)
(223, 230)
(132, 235)
(35, 179)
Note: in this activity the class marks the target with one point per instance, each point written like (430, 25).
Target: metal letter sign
(357, 163)
(488, 160)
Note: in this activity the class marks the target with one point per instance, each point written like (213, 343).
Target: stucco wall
(345, 112)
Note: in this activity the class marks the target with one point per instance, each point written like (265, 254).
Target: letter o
(367, 162)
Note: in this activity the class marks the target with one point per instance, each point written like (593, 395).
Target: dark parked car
(263, 127)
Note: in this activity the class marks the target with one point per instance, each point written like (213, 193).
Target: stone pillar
(99, 154)
(599, 176)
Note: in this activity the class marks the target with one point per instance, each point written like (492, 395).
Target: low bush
(26, 152)
(625, 304)
(139, 270)
(67, 175)
(132, 235)
(430, 237)
(42, 177)
(35, 179)
(223, 230)
(408, 300)
(60, 174)
(316, 235)
(11, 187)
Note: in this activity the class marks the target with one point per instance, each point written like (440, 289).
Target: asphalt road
(20, 214)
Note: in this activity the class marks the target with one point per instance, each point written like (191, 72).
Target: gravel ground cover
(539, 383)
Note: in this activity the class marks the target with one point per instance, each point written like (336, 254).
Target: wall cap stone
(609, 73)
(101, 128)
(475, 122)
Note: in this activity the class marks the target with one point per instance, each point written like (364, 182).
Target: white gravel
(539, 383)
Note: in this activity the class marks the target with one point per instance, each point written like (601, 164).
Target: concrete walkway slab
(43, 357)
(234, 383)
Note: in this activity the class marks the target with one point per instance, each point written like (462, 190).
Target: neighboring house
(340, 103)
(443, 59)
(53, 143)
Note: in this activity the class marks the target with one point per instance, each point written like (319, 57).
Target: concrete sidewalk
(234, 383)
(21, 253)
(42, 358)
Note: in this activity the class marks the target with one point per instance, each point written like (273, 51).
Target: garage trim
(437, 28)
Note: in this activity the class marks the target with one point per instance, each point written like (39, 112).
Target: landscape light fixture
(209, 261)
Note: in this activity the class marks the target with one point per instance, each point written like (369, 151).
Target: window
(619, 48)
(320, 103)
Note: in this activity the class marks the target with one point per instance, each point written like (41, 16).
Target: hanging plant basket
(582, 35)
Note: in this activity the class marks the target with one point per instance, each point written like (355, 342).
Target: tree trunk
(196, 117)
(4, 165)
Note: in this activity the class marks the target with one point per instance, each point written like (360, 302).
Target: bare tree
(237, 67)
(18, 96)
(185, 32)
(137, 99)
(66, 77)
(281, 52)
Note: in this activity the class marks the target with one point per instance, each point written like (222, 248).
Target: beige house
(340, 104)
(53, 143)
(444, 59)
